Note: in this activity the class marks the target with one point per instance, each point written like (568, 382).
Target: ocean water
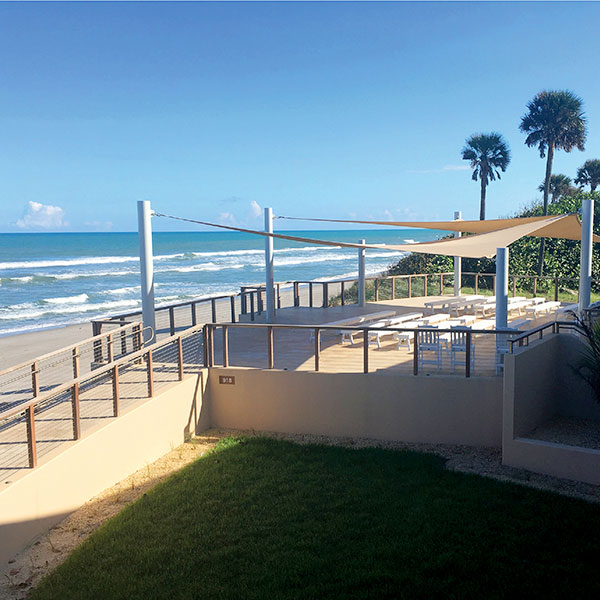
(56, 279)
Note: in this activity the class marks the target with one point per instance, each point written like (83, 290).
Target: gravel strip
(584, 433)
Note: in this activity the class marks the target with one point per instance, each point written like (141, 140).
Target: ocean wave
(71, 262)
(124, 290)
(410, 241)
(31, 310)
(78, 299)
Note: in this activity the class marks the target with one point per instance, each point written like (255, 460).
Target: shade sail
(568, 228)
(480, 245)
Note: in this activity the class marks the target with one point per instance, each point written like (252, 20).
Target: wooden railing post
(205, 344)
(35, 379)
(441, 284)
(393, 288)
(243, 301)
(365, 350)
(376, 290)
(296, 294)
(193, 311)
(270, 347)
(232, 303)
(76, 411)
(415, 353)
(150, 373)
(75, 354)
(111, 350)
(171, 321)
(259, 300)
(556, 289)
(476, 283)
(310, 294)
(213, 309)
(325, 295)
(225, 346)
(317, 347)
(514, 286)
(425, 286)
(535, 287)
(468, 356)
(410, 286)
(252, 306)
(116, 395)
(31, 441)
(180, 358)
(343, 285)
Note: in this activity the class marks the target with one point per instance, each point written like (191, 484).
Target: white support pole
(361, 275)
(585, 265)
(457, 260)
(501, 288)
(269, 279)
(146, 271)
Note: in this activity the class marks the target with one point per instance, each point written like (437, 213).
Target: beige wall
(540, 384)
(41, 497)
(451, 410)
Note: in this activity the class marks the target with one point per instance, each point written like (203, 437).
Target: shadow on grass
(261, 518)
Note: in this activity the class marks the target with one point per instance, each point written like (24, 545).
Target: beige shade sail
(568, 227)
(482, 245)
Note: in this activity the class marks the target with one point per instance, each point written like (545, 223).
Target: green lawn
(260, 518)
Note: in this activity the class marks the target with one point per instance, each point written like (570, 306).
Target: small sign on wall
(227, 379)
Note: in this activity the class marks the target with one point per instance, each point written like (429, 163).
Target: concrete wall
(451, 410)
(38, 499)
(540, 384)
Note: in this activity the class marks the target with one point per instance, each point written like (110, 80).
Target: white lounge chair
(541, 308)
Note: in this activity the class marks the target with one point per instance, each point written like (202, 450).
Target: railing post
(116, 395)
(259, 301)
(205, 345)
(468, 356)
(296, 294)
(243, 300)
(252, 306)
(97, 330)
(425, 294)
(514, 286)
(535, 287)
(180, 358)
(278, 295)
(325, 295)
(441, 284)
(410, 286)
(171, 321)
(343, 285)
(225, 346)
(213, 309)
(123, 337)
(376, 290)
(35, 379)
(556, 289)
(137, 338)
(393, 288)
(317, 347)
(211, 346)
(476, 283)
(193, 311)
(31, 442)
(365, 350)
(310, 294)
(111, 350)
(270, 347)
(150, 374)
(232, 303)
(76, 412)
(415, 353)
(75, 354)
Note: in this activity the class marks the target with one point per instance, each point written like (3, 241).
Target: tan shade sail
(480, 245)
(568, 228)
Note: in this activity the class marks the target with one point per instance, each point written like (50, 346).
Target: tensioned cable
(281, 236)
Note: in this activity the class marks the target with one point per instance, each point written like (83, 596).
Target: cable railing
(420, 351)
(29, 379)
(67, 411)
(537, 333)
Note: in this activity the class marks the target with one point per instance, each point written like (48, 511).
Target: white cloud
(255, 209)
(227, 218)
(456, 168)
(43, 216)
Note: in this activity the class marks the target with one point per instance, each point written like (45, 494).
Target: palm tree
(554, 121)
(560, 185)
(489, 154)
(589, 174)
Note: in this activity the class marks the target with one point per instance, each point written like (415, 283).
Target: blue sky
(213, 110)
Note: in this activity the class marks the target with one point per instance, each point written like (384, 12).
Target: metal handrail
(555, 326)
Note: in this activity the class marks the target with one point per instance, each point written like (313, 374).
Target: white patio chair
(458, 344)
(503, 347)
(429, 342)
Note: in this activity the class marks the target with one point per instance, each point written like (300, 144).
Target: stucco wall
(41, 497)
(452, 410)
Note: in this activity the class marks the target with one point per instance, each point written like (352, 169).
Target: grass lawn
(260, 518)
